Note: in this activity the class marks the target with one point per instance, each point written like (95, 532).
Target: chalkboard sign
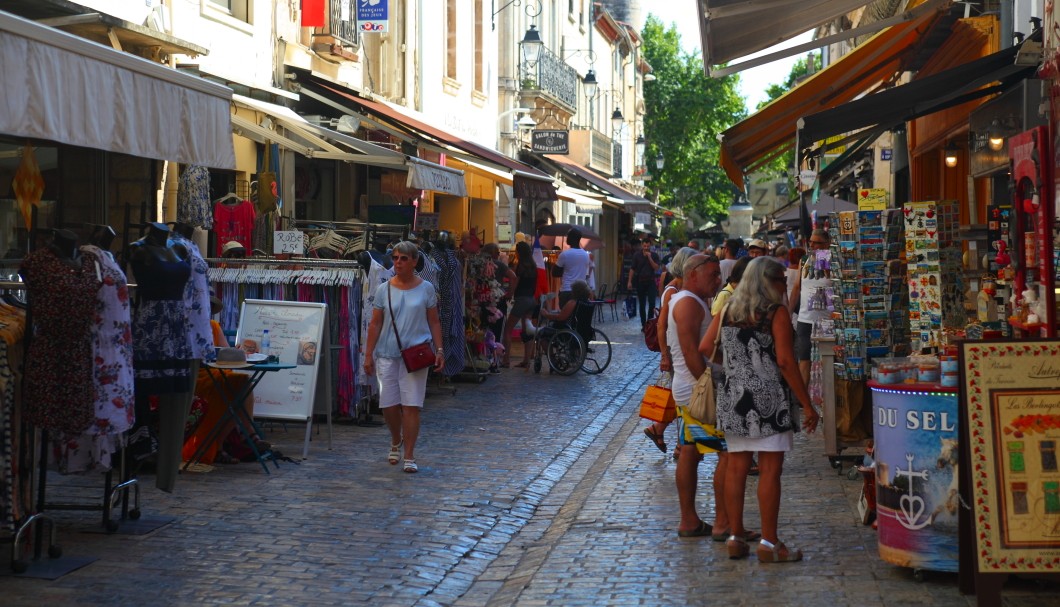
(296, 336)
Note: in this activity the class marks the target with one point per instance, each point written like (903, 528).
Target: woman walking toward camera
(758, 403)
(408, 305)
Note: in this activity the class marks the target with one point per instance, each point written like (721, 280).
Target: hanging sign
(547, 141)
(373, 16)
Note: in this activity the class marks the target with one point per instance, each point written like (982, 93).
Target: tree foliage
(685, 112)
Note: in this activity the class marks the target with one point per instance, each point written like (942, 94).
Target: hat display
(230, 246)
(231, 358)
(758, 243)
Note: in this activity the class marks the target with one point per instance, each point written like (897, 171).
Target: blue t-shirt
(410, 315)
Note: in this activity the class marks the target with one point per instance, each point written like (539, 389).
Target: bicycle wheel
(597, 354)
(565, 352)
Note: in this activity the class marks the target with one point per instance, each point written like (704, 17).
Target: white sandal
(410, 466)
(395, 454)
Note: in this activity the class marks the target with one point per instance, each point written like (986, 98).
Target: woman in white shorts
(415, 316)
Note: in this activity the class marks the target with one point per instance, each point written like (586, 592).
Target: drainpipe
(1006, 23)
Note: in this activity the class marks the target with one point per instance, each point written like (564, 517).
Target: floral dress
(754, 400)
(160, 327)
(112, 372)
(58, 392)
(197, 300)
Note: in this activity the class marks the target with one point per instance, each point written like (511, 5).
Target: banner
(313, 12)
(373, 16)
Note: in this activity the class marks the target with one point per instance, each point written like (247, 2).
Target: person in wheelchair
(576, 314)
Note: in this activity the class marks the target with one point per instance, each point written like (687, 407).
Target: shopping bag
(658, 402)
(651, 331)
(702, 405)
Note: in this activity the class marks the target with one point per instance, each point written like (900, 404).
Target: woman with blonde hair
(756, 403)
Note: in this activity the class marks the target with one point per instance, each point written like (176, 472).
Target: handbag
(651, 331)
(658, 402)
(703, 404)
(416, 357)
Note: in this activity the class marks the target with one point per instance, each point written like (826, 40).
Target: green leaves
(686, 110)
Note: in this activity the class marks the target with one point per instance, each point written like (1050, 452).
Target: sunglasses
(818, 242)
(399, 257)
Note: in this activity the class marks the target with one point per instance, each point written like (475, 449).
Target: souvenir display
(933, 257)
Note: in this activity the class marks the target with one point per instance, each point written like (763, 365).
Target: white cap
(230, 246)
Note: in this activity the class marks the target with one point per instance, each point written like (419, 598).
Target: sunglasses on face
(820, 242)
(399, 257)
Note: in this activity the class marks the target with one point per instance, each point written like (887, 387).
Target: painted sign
(916, 475)
(373, 16)
(547, 141)
(872, 199)
(1012, 394)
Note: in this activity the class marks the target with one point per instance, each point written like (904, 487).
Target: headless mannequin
(64, 245)
(101, 236)
(184, 230)
(155, 247)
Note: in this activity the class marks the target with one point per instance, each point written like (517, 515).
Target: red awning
(528, 182)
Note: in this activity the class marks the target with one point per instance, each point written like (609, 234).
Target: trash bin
(916, 474)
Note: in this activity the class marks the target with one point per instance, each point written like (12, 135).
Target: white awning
(315, 141)
(584, 202)
(66, 89)
(425, 175)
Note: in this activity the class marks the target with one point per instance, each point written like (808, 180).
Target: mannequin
(185, 230)
(163, 358)
(64, 245)
(101, 236)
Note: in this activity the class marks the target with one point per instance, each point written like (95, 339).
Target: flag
(313, 12)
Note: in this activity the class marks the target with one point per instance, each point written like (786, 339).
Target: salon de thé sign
(550, 141)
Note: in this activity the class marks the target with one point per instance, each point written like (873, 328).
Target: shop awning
(585, 202)
(771, 131)
(315, 141)
(730, 29)
(825, 205)
(629, 199)
(887, 109)
(528, 182)
(66, 89)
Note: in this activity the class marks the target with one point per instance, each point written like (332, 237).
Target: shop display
(869, 289)
(933, 255)
(1033, 303)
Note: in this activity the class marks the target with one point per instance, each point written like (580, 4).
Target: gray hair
(676, 267)
(756, 294)
(579, 290)
(406, 247)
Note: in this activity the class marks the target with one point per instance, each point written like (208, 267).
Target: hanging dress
(193, 198)
(58, 391)
(112, 370)
(160, 327)
(451, 309)
(197, 300)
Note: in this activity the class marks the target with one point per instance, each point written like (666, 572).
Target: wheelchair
(572, 344)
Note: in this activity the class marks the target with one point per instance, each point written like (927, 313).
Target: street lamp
(660, 161)
(617, 120)
(532, 45)
(590, 83)
(639, 146)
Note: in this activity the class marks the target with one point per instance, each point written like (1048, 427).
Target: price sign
(290, 241)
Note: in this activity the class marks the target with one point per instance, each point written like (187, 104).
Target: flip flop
(748, 536)
(702, 530)
(656, 438)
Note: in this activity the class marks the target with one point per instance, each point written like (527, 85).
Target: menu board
(1012, 395)
(296, 333)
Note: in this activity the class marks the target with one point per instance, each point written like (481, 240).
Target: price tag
(290, 241)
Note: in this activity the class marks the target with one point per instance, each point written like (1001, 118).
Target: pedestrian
(688, 320)
(726, 292)
(523, 304)
(656, 430)
(503, 274)
(572, 264)
(645, 265)
(757, 248)
(781, 253)
(756, 405)
(408, 304)
(730, 253)
(810, 283)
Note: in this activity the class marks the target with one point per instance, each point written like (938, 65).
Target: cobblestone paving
(533, 490)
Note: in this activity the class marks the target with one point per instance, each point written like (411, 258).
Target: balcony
(338, 38)
(553, 81)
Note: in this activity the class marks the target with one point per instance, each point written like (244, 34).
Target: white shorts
(397, 386)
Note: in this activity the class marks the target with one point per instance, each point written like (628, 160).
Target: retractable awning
(528, 183)
(771, 131)
(886, 109)
(59, 87)
(315, 141)
(630, 201)
(585, 202)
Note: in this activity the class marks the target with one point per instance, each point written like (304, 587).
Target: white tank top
(683, 380)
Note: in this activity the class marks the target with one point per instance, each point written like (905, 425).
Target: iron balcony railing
(343, 30)
(553, 76)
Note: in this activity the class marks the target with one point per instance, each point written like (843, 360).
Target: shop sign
(423, 177)
(550, 141)
(886, 153)
(372, 16)
(288, 241)
(1011, 396)
(872, 199)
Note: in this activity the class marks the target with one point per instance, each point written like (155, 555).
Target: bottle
(265, 342)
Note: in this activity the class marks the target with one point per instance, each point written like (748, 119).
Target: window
(236, 13)
(480, 84)
(450, 46)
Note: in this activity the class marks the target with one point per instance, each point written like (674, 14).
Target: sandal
(395, 454)
(410, 466)
(748, 536)
(702, 529)
(656, 437)
(737, 547)
(777, 553)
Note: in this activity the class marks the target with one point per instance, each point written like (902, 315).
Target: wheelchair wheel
(597, 354)
(565, 352)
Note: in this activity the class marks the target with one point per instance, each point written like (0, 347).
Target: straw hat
(231, 358)
(758, 243)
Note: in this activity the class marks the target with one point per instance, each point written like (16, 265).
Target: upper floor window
(235, 13)
(450, 46)
(238, 9)
(480, 84)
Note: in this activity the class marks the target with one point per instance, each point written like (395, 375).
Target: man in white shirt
(573, 263)
(730, 250)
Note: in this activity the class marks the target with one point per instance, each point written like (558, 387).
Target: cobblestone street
(533, 490)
